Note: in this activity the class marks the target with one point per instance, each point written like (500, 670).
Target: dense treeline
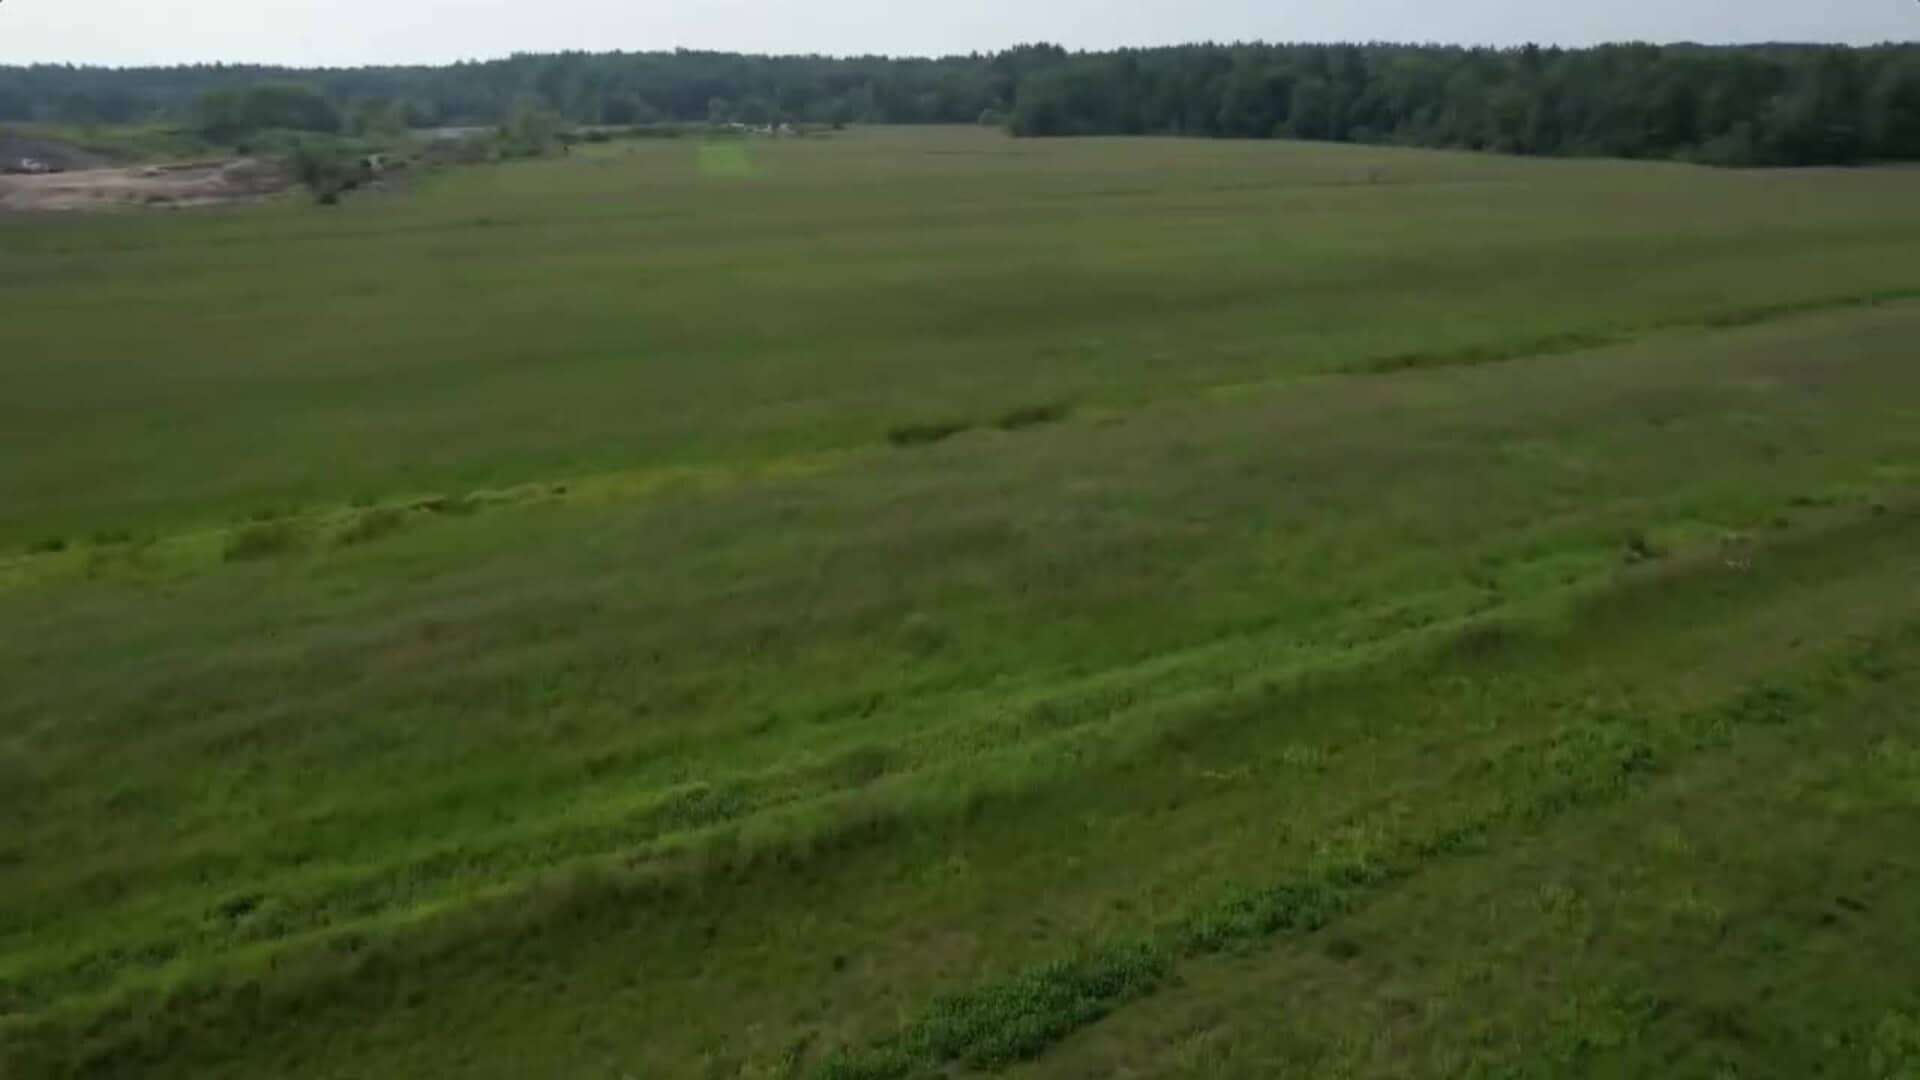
(1776, 105)
(601, 88)
(1747, 105)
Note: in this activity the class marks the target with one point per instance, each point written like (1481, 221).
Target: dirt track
(201, 183)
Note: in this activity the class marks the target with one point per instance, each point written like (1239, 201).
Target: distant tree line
(582, 88)
(1763, 105)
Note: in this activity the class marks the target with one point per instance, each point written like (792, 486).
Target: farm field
(922, 603)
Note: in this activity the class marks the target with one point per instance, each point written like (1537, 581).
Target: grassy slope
(837, 734)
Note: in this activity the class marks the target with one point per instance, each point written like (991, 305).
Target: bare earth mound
(199, 183)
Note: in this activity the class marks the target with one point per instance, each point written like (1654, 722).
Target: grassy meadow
(918, 603)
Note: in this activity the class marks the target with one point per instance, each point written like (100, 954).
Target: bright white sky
(341, 32)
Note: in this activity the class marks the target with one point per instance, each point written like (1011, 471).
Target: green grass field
(916, 603)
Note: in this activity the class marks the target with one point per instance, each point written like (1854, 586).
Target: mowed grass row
(1740, 913)
(643, 307)
(1337, 817)
(220, 773)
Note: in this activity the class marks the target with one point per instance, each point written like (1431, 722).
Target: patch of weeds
(239, 906)
(794, 1057)
(1872, 663)
(922, 634)
(117, 549)
(1639, 548)
(860, 766)
(1020, 1017)
(1897, 757)
(371, 525)
(1033, 416)
(1247, 915)
(1305, 758)
(1600, 1023)
(1473, 355)
(695, 807)
(263, 540)
(52, 545)
(1767, 705)
(1470, 838)
(1896, 1048)
(1488, 638)
(1013, 1020)
(1590, 762)
(926, 434)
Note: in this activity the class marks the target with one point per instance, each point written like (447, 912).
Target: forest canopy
(1749, 105)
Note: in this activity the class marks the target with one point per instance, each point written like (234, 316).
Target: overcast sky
(337, 32)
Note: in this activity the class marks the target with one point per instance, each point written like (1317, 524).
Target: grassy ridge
(679, 718)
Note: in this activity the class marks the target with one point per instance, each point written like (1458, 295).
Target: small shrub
(262, 540)
(51, 545)
(1033, 416)
(1641, 548)
(324, 171)
(925, 434)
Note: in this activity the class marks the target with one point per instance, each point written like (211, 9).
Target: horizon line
(975, 54)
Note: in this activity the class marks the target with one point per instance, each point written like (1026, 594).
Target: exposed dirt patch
(198, 183)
